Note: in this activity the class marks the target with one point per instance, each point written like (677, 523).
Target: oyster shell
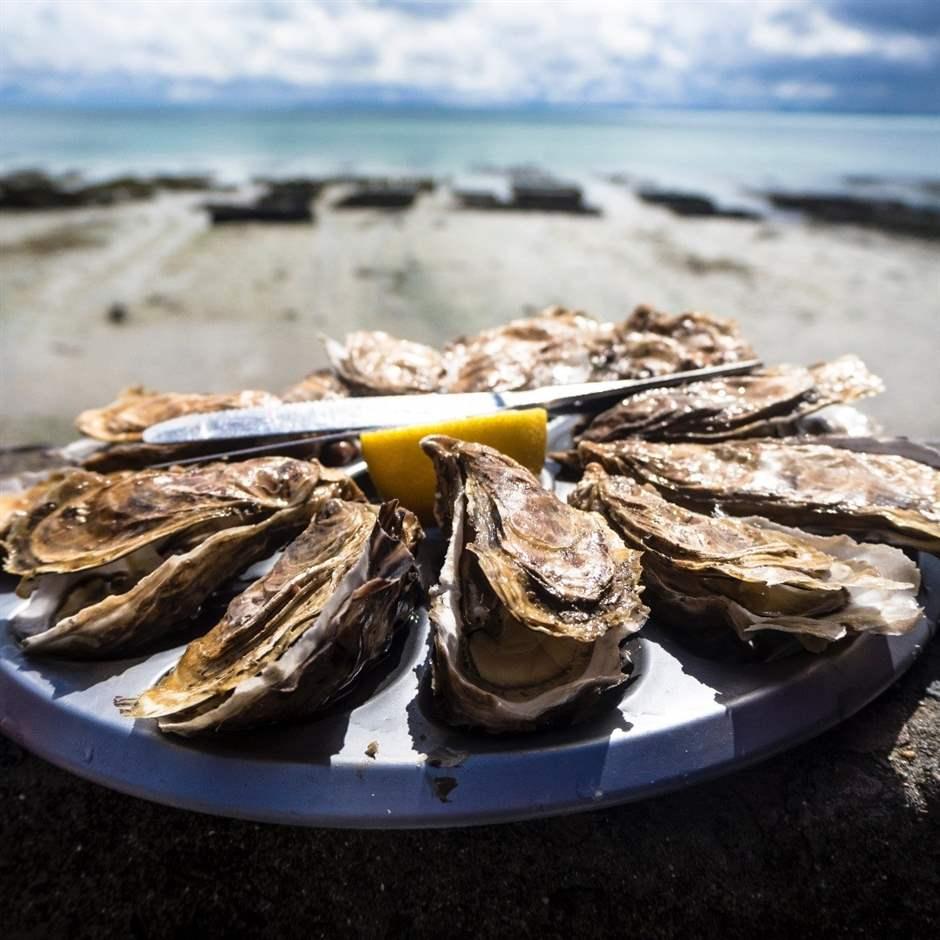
(874, 497)
(111, 562)
(534, 600)
(764, 403)
(705, 339)
(557, 346)
(317, 386)
(298, 638)
(374, 363)
(553, 348)
(751, 574)
(136, 409)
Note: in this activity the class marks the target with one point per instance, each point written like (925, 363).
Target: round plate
(682, 719)
(380, 759)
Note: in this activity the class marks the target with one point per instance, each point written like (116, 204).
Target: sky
(858, 55)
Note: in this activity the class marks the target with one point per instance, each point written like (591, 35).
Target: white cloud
(803, 91)
(478, 51)
(806, 32)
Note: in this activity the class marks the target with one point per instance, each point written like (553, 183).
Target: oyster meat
(874, 497)
(136, 409)
(751, 574)
(109, 563)
(534, 600)
(765, 403)
(298, 638)
(374, 363)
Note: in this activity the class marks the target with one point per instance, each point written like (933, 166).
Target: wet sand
(244, 306)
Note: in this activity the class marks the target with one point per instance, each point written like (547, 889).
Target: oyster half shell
(765, 403)
(111, 562)
(751, 574)
(136, 409)
(317, 386)
(874, 497)
(556, 346)
(375, 363)
(298, 638)
(533, 602)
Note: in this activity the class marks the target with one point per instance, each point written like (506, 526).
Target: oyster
(652, 343)
(19, 492)
(136, 409)
(111, 562)
(874, 497)
(554, 348)
(298, 638)
(557, 346)
(751, 574)
(534, 600)
(374, 363)
(764, 403)
(705, 339)
(316, 386)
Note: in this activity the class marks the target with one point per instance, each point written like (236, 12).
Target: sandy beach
(243, 306)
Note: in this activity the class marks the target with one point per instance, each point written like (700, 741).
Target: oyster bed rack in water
(380, 759)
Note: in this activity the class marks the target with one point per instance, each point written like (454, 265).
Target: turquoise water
(717, 151)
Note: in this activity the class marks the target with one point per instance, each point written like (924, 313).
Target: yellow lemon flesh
(401, 470)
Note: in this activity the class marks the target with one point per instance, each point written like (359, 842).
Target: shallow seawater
(720, 152)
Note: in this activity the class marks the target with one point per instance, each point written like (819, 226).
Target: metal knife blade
(358, 414)
(352, 414)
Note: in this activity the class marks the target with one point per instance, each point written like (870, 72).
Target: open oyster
(112, 562)
(706, 340)
(534, 600)
(752, 574)
(557, 346)
(317, 386)
(136, 409)
(875, 497)
(553, 348)
(374, 363)
(118, 427)
(297, 639)
(765, 403)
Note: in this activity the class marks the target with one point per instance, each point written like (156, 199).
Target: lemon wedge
(401, 470)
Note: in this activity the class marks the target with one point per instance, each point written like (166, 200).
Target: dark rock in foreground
(692, 205)
(888, 215)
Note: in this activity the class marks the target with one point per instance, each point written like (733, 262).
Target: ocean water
(720, 152)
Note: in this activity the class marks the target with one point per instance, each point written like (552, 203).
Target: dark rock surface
(285, 200)
(837, 838)
(888, 215)
(530, 192)
(380, 193)
(692, 205)
(34, 189)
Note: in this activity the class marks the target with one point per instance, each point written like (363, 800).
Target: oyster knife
(359, 414)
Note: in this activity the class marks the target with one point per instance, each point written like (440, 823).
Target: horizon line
(358, 104)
